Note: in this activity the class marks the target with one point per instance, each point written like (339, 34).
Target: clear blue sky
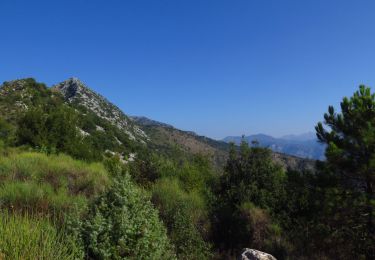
(215, 67)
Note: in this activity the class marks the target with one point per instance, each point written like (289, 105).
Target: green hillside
(79, 179)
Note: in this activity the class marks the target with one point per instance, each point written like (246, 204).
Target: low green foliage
(186, 217)
(52, 128)
(180, 188)
(122, 224)
(6, 133)
(39, 199)
(194, 173)
(51, 184)
(27, 237)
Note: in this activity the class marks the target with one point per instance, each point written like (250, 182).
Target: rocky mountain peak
(71, 87)
(76, 92)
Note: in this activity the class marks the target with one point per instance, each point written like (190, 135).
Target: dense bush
(6, 133)
(53, 129)
(249, 193)
(123, 224)
(180, 187)
(195, 172)
(186, 217)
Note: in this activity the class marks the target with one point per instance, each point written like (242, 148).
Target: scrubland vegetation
(29, 237)
(63, 197)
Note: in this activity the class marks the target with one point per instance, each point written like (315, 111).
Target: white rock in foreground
(252, 254)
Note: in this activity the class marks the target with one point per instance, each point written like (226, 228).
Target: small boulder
(252, 254)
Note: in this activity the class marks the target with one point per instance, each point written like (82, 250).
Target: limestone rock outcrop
(252, 254)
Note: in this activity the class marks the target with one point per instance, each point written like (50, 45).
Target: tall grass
(27, 237)
(38, 183)
(58, 170)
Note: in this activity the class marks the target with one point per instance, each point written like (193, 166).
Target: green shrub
(6, 133)
(259, 230)
(51, 127)
(249, 193)
(123, 224)
(186, 218)
(26, 237)
(194, 173)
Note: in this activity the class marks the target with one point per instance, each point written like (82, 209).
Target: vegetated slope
(77, 93)
(31, 104)
(77, 210)
(294, 162)
(150, 134)
(26, 237)
(18, 96)
(167, 139)
(103, 127)
(54, 184)
(144, 121)
(306, 146)
(164, 137)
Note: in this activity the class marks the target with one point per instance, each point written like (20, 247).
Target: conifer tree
(350, 153)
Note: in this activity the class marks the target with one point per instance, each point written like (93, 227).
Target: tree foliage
(249, 190)
(185, 216)
(6, 133)
(351, 157)
(55, 130)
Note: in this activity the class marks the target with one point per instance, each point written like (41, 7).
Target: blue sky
(215, 67)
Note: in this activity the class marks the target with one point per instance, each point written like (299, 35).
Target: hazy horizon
(218, 68)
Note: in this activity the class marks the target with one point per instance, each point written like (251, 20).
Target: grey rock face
(252, 254)
(74, 91)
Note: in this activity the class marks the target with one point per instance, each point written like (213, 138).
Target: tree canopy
(351, 157)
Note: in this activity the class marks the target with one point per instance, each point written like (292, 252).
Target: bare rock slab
(252, 254)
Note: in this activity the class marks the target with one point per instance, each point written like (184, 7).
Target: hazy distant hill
(304, 145)
(301, 137)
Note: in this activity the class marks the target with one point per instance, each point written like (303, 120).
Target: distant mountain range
(304, 145)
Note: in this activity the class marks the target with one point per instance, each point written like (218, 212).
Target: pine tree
(350, 156)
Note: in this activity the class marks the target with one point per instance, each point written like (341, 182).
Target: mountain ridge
(145, 121)
(162, 136)
(217, 149)
(103, 122)
(300, 137)
(304, 146)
